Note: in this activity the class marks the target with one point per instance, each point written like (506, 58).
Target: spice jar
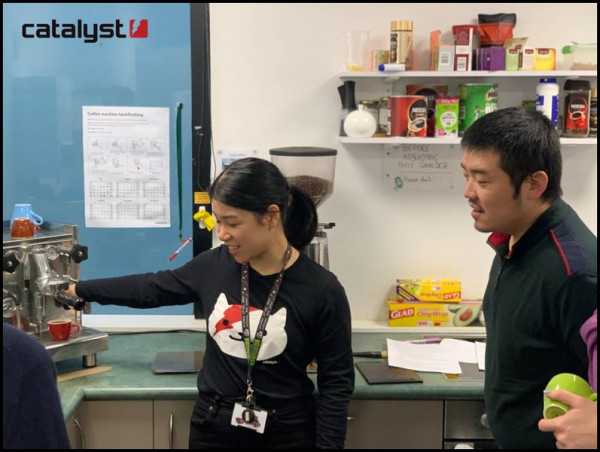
(577, 108)
(383, 124)
(401, 37)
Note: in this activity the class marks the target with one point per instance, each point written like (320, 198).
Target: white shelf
(391, 76)
(380, 326)
(442, 140)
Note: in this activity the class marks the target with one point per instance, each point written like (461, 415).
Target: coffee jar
(594, 112)
(401, 43)
(577, 108)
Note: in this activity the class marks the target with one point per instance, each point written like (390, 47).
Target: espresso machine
(312, 169)
(36, 272)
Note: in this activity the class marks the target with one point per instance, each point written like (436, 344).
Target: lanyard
(253, 347)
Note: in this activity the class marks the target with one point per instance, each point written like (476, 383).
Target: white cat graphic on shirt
(225, 326)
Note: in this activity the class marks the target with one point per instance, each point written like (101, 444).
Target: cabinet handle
(81, 434)
(171, 431)
(484, 420)
(351, 418)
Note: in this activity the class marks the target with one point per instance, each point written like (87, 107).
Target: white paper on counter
(480, 350)
(462, 351)
(421, 357)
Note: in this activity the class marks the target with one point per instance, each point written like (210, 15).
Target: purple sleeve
(590, 337)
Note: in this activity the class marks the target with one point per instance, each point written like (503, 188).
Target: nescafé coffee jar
(577, 108)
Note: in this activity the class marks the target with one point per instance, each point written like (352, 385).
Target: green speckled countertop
(131, 355)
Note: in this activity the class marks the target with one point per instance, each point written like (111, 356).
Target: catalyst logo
(140, 30)
(90, 33)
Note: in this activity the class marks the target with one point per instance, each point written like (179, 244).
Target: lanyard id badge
(248, 414)
(250, 417)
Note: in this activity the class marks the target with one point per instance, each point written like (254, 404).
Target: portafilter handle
(70, 302)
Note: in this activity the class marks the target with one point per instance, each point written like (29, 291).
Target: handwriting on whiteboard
(418, 167)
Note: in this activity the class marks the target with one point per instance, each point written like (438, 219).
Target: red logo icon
(401, 313)
(139, 30)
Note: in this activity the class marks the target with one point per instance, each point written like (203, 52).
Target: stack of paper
(443, 357)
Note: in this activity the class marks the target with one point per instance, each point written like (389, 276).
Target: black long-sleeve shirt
(32, 416)
(538, 297)
(310, 319)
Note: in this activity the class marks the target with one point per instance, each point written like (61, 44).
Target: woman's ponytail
(301, 221)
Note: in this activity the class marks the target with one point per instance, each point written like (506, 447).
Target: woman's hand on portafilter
(71, 291)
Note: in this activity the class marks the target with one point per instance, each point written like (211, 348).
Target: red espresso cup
(61, 329)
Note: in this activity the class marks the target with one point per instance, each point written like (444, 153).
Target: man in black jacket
(32, 416)
(543, 282)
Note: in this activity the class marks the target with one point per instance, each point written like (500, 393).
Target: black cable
(179, 158)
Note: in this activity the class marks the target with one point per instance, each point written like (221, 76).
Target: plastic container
(475, 101)
(311, 168)
(580, 57)
(546, 99)
(577, 108)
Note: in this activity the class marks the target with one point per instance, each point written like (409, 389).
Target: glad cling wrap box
(414, 314)
(439, 290)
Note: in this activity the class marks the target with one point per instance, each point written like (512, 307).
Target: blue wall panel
(45, 84)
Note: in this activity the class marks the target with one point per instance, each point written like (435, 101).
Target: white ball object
(360, 124)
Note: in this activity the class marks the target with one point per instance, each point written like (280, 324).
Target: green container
(475, 101)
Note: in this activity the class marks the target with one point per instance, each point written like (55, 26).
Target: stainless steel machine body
(318, 249)
(36, 273)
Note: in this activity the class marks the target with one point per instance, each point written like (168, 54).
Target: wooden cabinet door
(395, 424)
(75, 429)
(172, 423)
(122, 424)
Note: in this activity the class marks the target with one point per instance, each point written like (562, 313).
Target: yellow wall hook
(204, 218)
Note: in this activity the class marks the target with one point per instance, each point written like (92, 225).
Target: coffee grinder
(312, 169)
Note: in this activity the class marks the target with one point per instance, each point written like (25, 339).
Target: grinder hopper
(313, 170)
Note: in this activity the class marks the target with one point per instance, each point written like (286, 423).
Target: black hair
(253, 184)
(526, 142)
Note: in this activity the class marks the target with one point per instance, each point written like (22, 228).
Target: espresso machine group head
(313, 170)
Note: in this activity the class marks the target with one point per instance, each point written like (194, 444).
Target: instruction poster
(126, 166)
(418, 167)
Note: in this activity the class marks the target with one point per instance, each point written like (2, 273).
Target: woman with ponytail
(270, 312)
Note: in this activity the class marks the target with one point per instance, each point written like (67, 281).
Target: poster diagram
(126, 166)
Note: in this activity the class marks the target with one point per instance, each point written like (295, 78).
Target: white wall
(274, 70)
